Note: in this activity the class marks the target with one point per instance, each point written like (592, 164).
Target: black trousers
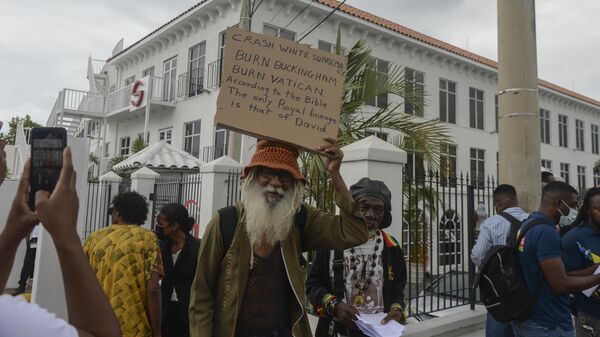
(174, 323)
(27, 269)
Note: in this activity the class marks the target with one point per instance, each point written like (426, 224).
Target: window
(106, 150)
(148, 72)
(579, 140)
(191, 139)
(448, 164)
(595, 139)
(278, 32)
(414, 91)
(447, 101)
(125, 143)
(547, 164)
(329, 47)
(581, 177)
(415, 167)
(141, 136)
(221, 142)
(564, 172)
(196, 62)
(222, 40)
(129, 80)
(164, 135)
(545, 126)
(562, 131)
(381, 66)
(496, 110)
(596, 177)
(169, 78)
(478, 167)
(378, 134)
(476, 108)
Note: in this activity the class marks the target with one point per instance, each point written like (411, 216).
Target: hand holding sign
(334, 154)
(280, 90)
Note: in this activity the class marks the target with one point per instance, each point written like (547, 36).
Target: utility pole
(519, 125)
(234, 145)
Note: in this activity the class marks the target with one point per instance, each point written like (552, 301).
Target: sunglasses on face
(283, 176)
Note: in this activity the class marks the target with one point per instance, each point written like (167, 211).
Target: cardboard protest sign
(278, 89)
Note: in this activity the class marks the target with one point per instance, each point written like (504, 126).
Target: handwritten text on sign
(279, 89)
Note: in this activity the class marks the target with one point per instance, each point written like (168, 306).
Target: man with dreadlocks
(581, 254)
(251, 283)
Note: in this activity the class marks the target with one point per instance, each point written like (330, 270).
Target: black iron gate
(183, 189)
(98, 202)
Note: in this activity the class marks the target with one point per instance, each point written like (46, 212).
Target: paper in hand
(370, 325)
(590, 291)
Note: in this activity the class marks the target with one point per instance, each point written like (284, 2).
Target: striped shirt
(493, 231)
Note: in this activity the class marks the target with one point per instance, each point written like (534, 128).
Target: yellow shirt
(123, 258)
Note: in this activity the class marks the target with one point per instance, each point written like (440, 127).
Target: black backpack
(502, 287)
(228, 220)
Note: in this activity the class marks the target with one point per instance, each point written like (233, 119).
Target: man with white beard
(253, 284)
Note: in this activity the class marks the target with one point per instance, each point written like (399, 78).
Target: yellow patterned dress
(123, 258)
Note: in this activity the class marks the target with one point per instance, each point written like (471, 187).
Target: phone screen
(47, 145)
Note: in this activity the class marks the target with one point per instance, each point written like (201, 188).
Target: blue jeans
(493, 328)
(531, 329)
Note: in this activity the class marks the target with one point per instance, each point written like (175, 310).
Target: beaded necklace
(362, 283)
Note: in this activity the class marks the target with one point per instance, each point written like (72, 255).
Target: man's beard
(269, 221)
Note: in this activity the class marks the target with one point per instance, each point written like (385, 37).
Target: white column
(377, 160)
(142, 181)
(214, 188)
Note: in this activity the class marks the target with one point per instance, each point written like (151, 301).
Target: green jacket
(220, 283)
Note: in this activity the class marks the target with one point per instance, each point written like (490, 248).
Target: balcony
(191, 84)
(215, 70)
(210, 153)
(73, 105)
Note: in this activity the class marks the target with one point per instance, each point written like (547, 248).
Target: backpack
(502, 286)
(228, 219)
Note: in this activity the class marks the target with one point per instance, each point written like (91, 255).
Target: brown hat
(275, 156)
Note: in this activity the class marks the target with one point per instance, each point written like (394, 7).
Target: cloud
(44, 45)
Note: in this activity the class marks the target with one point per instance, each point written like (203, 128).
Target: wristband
(331, 306)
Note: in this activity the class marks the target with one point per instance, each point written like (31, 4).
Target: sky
(44, 45)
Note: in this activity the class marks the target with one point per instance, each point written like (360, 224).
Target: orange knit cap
(275, 156)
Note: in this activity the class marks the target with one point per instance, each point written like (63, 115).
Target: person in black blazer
(179, 250)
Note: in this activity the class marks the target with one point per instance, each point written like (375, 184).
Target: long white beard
(268, 222)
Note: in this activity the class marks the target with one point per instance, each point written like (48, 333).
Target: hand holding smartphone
(47, 146)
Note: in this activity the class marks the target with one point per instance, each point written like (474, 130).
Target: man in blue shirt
(543, 268)
(581, 251)
(494, 231)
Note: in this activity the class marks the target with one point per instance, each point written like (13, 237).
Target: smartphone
(47, 145)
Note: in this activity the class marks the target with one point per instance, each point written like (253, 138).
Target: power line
(320, 22)
(255, 7)
(297, 15)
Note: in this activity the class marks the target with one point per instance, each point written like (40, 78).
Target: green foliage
(138, 145)
(114, 161)
(12, 127)
(94, 159)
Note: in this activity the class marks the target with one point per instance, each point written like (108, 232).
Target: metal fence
(183, 189)
(98, 202)
(439, 228)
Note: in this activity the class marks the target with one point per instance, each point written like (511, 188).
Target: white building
(181, 61)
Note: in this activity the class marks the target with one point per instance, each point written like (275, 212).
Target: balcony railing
(191, 83)
(161, 89)
(83, 101)
(210, 153)
(213, 77)
(118, 99)
(97, 65)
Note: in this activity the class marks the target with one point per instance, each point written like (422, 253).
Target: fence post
(471, 239)
(379, 160)
(113, 180)
(214, 188)
(142, 181)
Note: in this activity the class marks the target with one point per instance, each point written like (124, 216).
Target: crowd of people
(248, 277)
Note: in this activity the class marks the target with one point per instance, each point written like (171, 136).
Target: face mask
(566, 220)
(160, 233)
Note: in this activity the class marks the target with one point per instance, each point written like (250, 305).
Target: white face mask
(566, 220)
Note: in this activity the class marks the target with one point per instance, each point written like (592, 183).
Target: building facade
(179, 66)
